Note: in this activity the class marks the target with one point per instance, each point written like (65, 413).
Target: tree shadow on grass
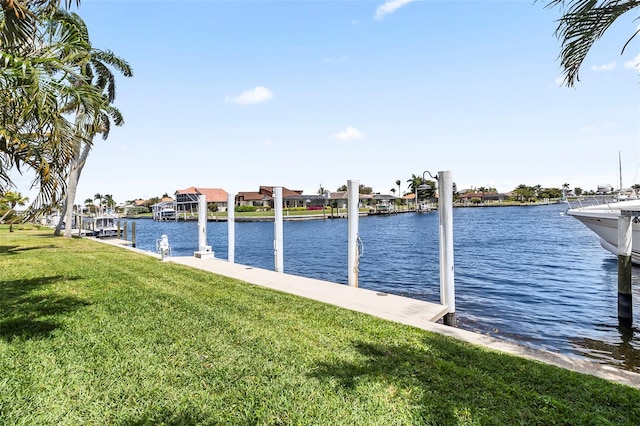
(11, 250)
(448, 382)
(26, 314)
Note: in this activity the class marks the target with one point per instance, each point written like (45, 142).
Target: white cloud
(351, 133)
(252, 96)
(604, 67)
(389, 7)
(634, 63)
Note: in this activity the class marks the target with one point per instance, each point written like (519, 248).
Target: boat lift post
(231, 227)
(204, 251)
(445, 214)
(353, 215)
(278, 234)
(625, 239)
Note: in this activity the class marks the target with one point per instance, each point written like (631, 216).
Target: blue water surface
(529, 274)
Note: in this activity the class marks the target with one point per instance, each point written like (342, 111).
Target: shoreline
(328, 216)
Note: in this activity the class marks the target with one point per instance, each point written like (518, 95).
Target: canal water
(531, 275)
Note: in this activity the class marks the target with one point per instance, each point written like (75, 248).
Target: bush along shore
(93, 334)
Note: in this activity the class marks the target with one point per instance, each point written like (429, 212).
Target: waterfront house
(339, 199)
(264, 198)
(482, 197)
(187, 200)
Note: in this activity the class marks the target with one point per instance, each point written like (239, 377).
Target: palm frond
(582, 24)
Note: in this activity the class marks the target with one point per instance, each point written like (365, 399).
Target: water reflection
(625, 353)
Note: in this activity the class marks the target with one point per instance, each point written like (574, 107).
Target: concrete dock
(416, 313)
(382, 305)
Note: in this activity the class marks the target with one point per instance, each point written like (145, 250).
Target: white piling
(278, 234)
(625, 242)
(231, 227)
(353, 192)
(203, 249)
(445, 212)
(202, 222)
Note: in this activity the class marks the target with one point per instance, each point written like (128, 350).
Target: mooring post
(625, 240)
(353, 194)
(124, 230)
(202, 222)
(278, 232)
(445, 214)
(231, 227)
(204, 251)
(133, 234)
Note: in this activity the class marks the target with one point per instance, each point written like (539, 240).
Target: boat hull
(603, 221)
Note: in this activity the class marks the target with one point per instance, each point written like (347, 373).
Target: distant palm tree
(109, 201)
(89, 204)
(414, 182)
(99, 197)
(398, 182)
(12, 199)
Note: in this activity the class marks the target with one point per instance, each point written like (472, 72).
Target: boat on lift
(103, 225)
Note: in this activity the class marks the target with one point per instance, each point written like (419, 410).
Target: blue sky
(237, 94)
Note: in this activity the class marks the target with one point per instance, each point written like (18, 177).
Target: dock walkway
(382, 305)
(416, 313)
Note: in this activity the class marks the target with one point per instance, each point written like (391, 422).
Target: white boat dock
(383, 305)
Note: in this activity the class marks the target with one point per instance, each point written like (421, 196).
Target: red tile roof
(268, 190)
(250, 196)
(213, 195)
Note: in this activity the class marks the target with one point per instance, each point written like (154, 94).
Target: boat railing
(596, 201)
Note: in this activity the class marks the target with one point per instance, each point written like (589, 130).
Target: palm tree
(89, 203)
(414, 182)
(99, 197)
(584, 22)
(12, 199)
(398, 182)
(96, 73)
(109, 201)
(41, 51)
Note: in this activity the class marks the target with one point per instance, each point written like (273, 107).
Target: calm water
(526, 274)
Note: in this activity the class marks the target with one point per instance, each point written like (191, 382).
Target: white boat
(102, 226)
(603, 220)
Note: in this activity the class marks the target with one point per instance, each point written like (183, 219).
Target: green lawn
(93, 334)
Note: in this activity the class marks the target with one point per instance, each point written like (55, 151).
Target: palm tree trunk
(6, 214)
(72, 187)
